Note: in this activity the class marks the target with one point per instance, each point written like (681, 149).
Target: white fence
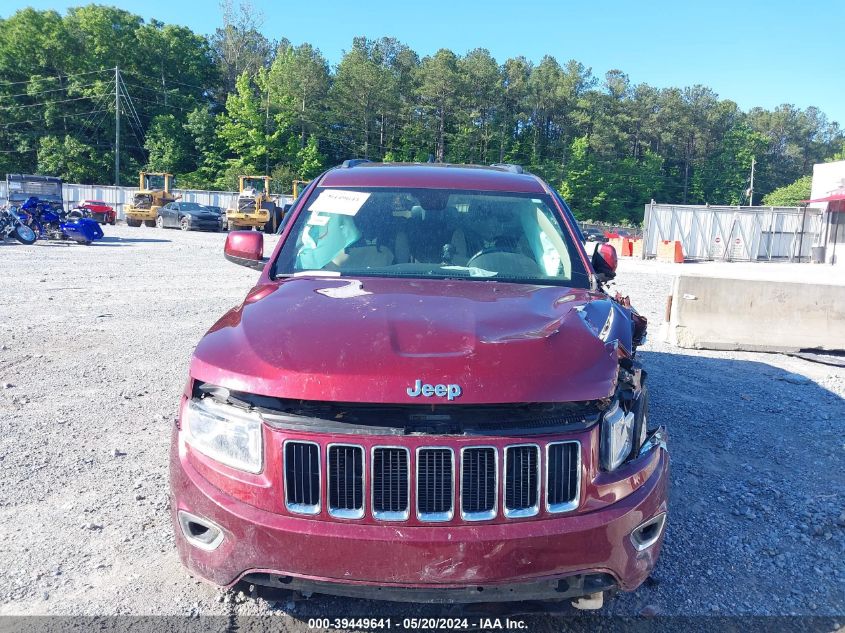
(117, 197)
(733, 233)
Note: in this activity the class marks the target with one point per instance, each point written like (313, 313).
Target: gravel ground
(94, 350)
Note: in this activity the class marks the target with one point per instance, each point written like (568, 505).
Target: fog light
(646, 534)
(201, 533)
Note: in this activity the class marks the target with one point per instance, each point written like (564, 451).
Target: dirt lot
(94, 349)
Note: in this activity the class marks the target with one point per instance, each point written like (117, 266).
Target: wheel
(159, 222)
(149, 223)
(133, 222)
(184, 224)
(24, 234)
(113, 222)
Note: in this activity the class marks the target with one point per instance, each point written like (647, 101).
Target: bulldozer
(255, 207)
(154, 192)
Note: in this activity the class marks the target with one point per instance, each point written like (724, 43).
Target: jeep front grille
(563, 467)
(383, 474)
(302, 477)
(346, 481)
(435, 480)
(479, 483)
(522, 480)
(391, 483)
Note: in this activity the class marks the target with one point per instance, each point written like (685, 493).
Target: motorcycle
(12, 226)
(55, 224)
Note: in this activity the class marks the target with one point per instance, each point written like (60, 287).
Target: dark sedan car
(594, 235)
(188, 216)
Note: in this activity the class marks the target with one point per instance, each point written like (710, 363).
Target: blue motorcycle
(53, 223)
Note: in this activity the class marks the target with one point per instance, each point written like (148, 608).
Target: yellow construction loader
(299, 187)
(154, 192)
(255, 206)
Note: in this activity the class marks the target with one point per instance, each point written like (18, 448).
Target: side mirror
(605, 261)
(245, 248)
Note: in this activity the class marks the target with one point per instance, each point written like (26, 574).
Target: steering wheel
(487, 251)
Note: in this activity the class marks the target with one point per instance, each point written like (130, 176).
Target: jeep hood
(370, 339)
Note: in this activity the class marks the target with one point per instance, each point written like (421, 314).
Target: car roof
(432, 176)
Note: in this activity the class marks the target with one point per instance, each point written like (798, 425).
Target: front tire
(184, 224)
(24, 234)
(150, 223)
(134, 223)
(159, 222)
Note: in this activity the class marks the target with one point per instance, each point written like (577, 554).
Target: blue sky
(753, 52)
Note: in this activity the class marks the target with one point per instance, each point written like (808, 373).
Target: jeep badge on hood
(450, 392)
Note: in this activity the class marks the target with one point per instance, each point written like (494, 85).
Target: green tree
(439, 90)
(481, 97)
(299, 83)
(361, 89)
(239, 47)
(725, 177)
(169, 145)
(309, 161)
(244, 131)
(71, 160)
(790, 195)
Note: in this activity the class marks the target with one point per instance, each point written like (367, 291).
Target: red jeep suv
(428, 396)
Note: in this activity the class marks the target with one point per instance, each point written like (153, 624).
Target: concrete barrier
(770, 316)
(670, 252)
(637, 247)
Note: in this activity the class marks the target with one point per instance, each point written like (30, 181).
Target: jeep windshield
(432, 233)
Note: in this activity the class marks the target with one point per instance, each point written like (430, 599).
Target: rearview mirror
(245, 248)
(605, 261)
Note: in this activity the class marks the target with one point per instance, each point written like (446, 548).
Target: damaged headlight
(617, 436)
(225, 433)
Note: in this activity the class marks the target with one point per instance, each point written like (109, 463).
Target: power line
(33, 94)
(34, 105)
(40, 120)
(61, 76)
(156, 79)
(101, 103)
(35, 149)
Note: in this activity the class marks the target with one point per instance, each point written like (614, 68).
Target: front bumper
(143, 215)
(560, 557)
(103, 217)
(204, 225)
(248, 219)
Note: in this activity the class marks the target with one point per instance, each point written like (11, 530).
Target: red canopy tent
(834, 197)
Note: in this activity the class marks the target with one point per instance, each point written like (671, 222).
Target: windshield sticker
(473, 271)
(317, 273)
(339, 201)
(353, 289)
(315, 219)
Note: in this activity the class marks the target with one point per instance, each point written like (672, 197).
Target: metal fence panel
(732, 233)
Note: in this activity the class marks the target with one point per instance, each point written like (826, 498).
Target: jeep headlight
(224, 433)
(617, 436)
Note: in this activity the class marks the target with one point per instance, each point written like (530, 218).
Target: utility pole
(117, 126)
(751, 188)
(267, 131)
